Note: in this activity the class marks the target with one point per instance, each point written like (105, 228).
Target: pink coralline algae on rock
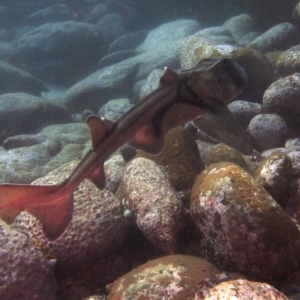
(243, 228)
(243, 290)
(153, 201)
(25, 271)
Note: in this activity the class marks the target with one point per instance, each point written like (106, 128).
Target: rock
(199, 46)
(267, 131)
(25, 272)
(23, 113)
(167, 33)
(205, 285)
(180, 158)
(275, 175)
(282, 98)
(174, 275)
(239, 26)
(96, 297)
(242, 289)
(151, 198)
(292, 205)
(114, 170)
(266, 13)
(288, 62)
(116, 57)
(296, 14)
(128, 41)
(97, 228)
(279, 37)
(111, 26)
(97, 13)
(244, 111)
(262, 241)
(293, 144)
(114, 109)
(9, 52)
(217, 35)
(295, 159)
(14, 80)
(111, 82)
(56, 13)
(62, 52)
(222, 152)
(150, 83)
(32, 156)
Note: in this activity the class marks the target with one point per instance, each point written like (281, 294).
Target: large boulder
(62, 52)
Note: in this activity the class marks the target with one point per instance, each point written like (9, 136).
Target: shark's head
(218, 79)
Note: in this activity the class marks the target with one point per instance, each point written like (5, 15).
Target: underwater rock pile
(200, 220)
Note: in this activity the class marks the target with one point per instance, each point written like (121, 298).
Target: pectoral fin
(148, 140)
(222, 125)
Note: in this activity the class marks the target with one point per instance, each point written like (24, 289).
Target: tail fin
(52, 205)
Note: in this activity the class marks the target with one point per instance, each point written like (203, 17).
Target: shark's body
(199, 94)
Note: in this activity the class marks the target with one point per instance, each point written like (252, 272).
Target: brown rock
(169, 277)
(243, 228)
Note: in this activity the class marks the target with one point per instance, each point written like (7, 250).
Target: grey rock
(168, 33)
(295, 158)
(150, 84)
(114, 170)
(239, 26)
(114, 109)
(23, 113)
(128, 41)
(56, 13)
(268, 131)
(282, 97)
(25, 272)
(279, 37)
(275, 174)
(218, 35)
(247, 38)
(25, 158)
(116, 57)
(244, 111)
(62, 52)
(111, 26)
(9, 52)
(97, 13)
(293, 144)
(13, 80)
(96, 89)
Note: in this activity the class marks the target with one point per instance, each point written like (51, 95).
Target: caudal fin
(52, 205)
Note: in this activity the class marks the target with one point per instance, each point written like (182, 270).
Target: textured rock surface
(282, 98)
(268, 131)
(243, 289)
(169, 277)
(275, 174)
(97, 228)
(243, 228)
(180, 158)
(25, 272)
(25, 158)
(153, 201)
(23, 113)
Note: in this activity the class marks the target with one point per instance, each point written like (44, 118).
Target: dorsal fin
(168, 78)
(98, 127)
